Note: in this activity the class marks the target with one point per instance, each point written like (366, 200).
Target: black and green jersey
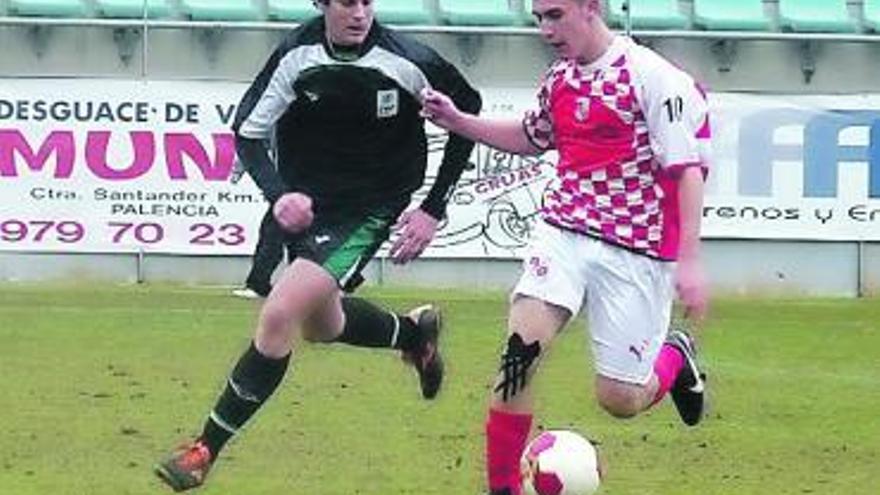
(347, 130)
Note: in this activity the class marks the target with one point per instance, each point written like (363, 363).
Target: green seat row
(219, 10)
(460, 12)
(741, 15)
(872, 14)
(815, 16)
(717, 15)
(132, 9)
(647, 14)
(47, 8)
(477, 13)
(390, 11)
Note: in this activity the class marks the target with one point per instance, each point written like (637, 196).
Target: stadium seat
(526, 13)
(477, 13)
(291, 10)
(649, 14)
(402, 12)
(47, 8)
(872, 14)
(815, 16)
(742, 15)
(220, 10)
(132, 9)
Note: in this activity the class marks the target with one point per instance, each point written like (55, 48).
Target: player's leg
(267, 255)
(302, 288)
(630, 302)
(532, 326)
(343, 249)
(549, 292)
(359, 322)
(675, 372)
(688, 387)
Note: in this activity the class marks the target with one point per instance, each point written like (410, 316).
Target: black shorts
(344, 244)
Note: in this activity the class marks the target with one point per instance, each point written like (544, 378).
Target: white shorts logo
(387, 103)
(538, 266)
(638, 349)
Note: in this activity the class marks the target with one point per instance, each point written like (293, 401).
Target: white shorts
(628, 296)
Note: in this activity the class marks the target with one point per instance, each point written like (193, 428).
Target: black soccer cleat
(426, 358)
(688, 391)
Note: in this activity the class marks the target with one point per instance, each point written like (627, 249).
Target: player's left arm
(690, 278)
(678, 116)
(416, 228)
(446, 78)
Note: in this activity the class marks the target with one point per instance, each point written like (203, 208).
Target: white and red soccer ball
(559, 462)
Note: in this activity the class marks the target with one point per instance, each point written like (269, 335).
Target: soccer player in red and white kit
(620, 224)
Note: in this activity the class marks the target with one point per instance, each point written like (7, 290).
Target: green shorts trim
(346, 262)
(344, 247)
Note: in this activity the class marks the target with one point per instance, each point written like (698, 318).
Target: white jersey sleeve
(677, 114)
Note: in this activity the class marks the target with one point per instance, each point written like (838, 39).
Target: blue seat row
(743, 15)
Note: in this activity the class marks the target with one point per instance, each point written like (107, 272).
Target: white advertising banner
(120, 166)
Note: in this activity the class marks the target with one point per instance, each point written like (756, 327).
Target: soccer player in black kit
(340, 94)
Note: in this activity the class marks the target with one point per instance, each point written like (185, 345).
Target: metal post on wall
(860, 269)
(145, 51)
(140, 265)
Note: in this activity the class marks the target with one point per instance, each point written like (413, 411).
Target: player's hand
(439, 109)
(690, 282)
(415, 229)
(293, 212)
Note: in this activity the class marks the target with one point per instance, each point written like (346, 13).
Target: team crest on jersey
(387, 103)
(582, 109)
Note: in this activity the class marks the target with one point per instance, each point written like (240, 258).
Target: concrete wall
(812, 268)
(734, 267)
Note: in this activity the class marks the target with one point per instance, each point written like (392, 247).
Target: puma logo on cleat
(322, 239)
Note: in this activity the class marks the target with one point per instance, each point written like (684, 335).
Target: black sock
(252, 382)
(367, 325)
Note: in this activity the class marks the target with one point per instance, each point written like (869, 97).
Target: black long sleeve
(458, 149)
(255, 157)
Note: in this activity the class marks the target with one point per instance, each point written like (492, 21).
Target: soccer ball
(560, 462)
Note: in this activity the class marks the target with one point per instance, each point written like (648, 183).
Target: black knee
(516, 364)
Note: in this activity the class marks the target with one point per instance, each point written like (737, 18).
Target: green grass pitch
(99, 382)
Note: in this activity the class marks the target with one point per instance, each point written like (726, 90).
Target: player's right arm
(263, 104)
(255, 118)
(508, 135)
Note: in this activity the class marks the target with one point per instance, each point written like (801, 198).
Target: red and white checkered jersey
(625, 127)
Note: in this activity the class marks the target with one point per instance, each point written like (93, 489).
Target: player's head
(574, 28)
(347, 21)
